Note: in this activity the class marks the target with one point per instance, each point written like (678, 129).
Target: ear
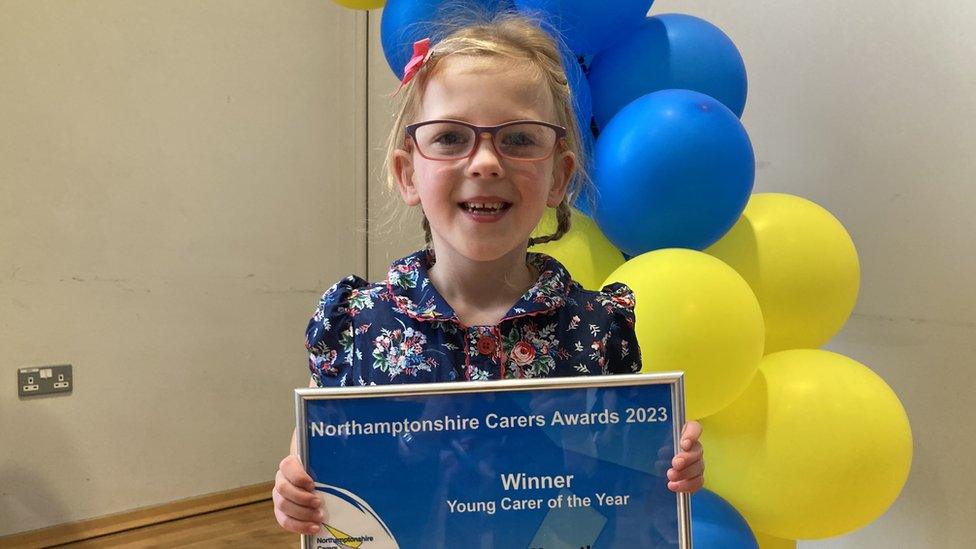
(403, 172)
(563, 169)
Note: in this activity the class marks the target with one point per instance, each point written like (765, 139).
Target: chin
(487, 251)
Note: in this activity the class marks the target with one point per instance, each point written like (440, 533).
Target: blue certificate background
(407, 479)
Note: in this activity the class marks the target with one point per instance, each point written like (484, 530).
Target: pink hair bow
(421, 52)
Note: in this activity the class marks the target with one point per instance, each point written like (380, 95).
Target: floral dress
(401, 330)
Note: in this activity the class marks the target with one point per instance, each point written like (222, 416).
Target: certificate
(560, 463)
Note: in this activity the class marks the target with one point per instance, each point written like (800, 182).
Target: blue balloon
(715, 524)
(668, 52)
(588, 26)
(406, 21)
(674, 168)
(582, 101)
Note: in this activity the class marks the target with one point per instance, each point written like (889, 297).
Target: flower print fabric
(401, 330)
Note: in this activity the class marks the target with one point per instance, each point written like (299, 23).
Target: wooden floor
(251, 525)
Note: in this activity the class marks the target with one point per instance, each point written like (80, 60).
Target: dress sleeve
(329, 336)
(623, 351)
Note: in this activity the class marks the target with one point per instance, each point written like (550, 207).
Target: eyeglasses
(527, 140)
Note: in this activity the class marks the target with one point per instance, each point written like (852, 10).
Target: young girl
(484, 141)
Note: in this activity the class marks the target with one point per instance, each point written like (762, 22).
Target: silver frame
(675, 379)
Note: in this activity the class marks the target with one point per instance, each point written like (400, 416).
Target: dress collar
(409, 284)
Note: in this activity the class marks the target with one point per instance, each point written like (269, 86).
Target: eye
(449, 138)
(519, 139)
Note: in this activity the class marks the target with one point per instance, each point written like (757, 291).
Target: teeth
(484, 206)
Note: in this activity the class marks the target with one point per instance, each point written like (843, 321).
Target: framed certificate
(561, 463)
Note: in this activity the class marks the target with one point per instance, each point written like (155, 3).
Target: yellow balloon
(361, 4)
(771, 542)
(801, 264)
(817, 446)
(695, 314)
(584, 251)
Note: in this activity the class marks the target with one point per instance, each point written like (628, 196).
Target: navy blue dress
(401, 330)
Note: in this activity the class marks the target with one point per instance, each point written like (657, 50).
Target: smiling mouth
(485, 207)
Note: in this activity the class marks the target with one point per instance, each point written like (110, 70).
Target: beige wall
(179, 182)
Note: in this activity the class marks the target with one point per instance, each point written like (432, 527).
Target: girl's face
(483, 92)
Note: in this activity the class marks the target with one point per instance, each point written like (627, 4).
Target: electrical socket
(45, 380)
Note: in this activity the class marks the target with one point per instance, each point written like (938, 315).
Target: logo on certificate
(350, 522)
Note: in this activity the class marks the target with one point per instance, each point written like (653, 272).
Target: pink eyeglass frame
(411, 131)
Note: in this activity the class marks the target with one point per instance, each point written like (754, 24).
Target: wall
(177, 188)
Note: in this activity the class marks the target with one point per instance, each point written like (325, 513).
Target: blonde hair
(504, 36)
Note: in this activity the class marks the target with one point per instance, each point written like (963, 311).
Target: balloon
(665, 52)
(770, 542)
(717, 525)
(584, 251)
(582, 101)
(695, 314)
(585, 25)
(586, 201)
(674, 169)
(817, 446)
(406, 21)
(361, 4)
(800, 263)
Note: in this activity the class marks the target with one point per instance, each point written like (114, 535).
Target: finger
(297, 512)
(684, 459)
(689, 486)
(693, 470)
(298, 496)
(296, 526)
(295, 473)
(690, 434)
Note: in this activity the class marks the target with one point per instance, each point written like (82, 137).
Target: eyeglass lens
(450, 141)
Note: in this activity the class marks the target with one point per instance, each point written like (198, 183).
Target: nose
(484, 161)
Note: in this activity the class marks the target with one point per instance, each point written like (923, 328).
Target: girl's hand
(297, 505)
(687, 472)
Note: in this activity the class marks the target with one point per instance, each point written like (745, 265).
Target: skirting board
(146, 516)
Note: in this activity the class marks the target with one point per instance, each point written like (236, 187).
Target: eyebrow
(465, 119)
